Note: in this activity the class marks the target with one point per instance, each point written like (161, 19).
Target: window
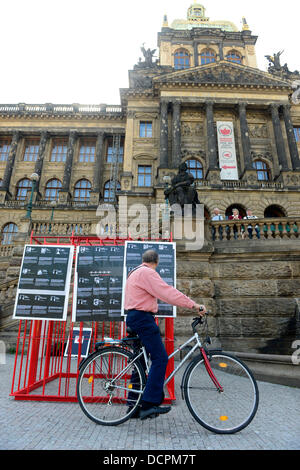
(145, 129)
(59, 150)
(31, 150)
(1, 181)
(109, 191)
(262, 169)
(195, 168)
(234, 57)
(207, 56)
(144, 176)
(297, 134)
(181, 59)
(110, 150)
(23, 188)
(8, 232)
(52, 190)
(4, 149)
(87, 150)
(274, 211)
(82, 191)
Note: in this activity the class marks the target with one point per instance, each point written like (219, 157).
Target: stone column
(245, 138)
(164, 134)
(40, 158)
(291, 137)
(279, 138)
(98, 172)
(211, 137)
(9, 166)
(196, 57)
(221, 52)
(65, 190)
(98, 163)
(176, 135)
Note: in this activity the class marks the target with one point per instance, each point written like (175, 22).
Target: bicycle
(218, 388)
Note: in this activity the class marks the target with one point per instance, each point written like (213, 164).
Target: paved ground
(62, 426)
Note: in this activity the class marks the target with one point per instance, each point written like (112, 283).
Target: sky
(80, 51)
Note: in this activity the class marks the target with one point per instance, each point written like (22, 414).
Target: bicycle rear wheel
(109, 388)
(227, 411)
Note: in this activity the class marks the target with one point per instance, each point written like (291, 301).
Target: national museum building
(198, 99)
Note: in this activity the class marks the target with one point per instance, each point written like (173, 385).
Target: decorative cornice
(222, 74)
(53, 111)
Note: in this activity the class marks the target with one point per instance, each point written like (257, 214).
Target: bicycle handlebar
(198, 321)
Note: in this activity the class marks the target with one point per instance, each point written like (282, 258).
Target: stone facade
(167, 116)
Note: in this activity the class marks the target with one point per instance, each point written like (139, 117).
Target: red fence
(44, 368)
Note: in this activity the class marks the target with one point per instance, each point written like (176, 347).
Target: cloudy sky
(80, 51)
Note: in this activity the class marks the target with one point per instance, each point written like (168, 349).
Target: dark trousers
(143, 324)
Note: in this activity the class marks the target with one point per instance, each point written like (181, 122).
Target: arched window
(109, 191)
(262, 170)
(52, 190)
(1, 181)
(274, 211)
(23, 188)
(8, 232)
(82, 191)
(207, 56)
(234, 56)
(181, 59)
(195, 168)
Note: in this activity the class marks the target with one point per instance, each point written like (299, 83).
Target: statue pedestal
(188, 232)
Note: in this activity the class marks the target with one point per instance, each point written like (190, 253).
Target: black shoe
(136, 414)
(154, 411)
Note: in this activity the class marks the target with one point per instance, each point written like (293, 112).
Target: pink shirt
(144, 286)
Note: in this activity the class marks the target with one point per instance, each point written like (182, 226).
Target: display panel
(44, 282)
(98, 283)
(166, 268)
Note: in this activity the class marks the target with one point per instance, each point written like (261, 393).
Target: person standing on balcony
(250, 227)
(217, 217)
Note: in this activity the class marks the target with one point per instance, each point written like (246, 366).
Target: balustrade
(258, 229)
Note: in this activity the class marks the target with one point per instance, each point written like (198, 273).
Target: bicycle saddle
(131, 333)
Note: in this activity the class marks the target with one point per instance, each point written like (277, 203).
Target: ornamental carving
(191, 129)
(262, 156)
(258, 131)
(193, 154)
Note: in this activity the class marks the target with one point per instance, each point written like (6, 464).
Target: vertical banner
(227, 153)
(44, 283)
(166, 268)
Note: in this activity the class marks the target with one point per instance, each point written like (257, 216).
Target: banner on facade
(227, 153)
(166, 268)
(44, 283)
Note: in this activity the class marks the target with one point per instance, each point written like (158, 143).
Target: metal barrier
(44, 368)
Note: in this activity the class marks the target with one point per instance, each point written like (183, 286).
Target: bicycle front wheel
(227, 411)
(110, 386)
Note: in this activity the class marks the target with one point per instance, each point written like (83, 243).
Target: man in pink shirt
(143, 287)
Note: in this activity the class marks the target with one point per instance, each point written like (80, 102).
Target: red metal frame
(41, 371)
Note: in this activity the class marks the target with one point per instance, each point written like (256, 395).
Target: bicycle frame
(197, 345)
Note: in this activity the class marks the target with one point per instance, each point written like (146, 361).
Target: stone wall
(252, 294)
(252, 290)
